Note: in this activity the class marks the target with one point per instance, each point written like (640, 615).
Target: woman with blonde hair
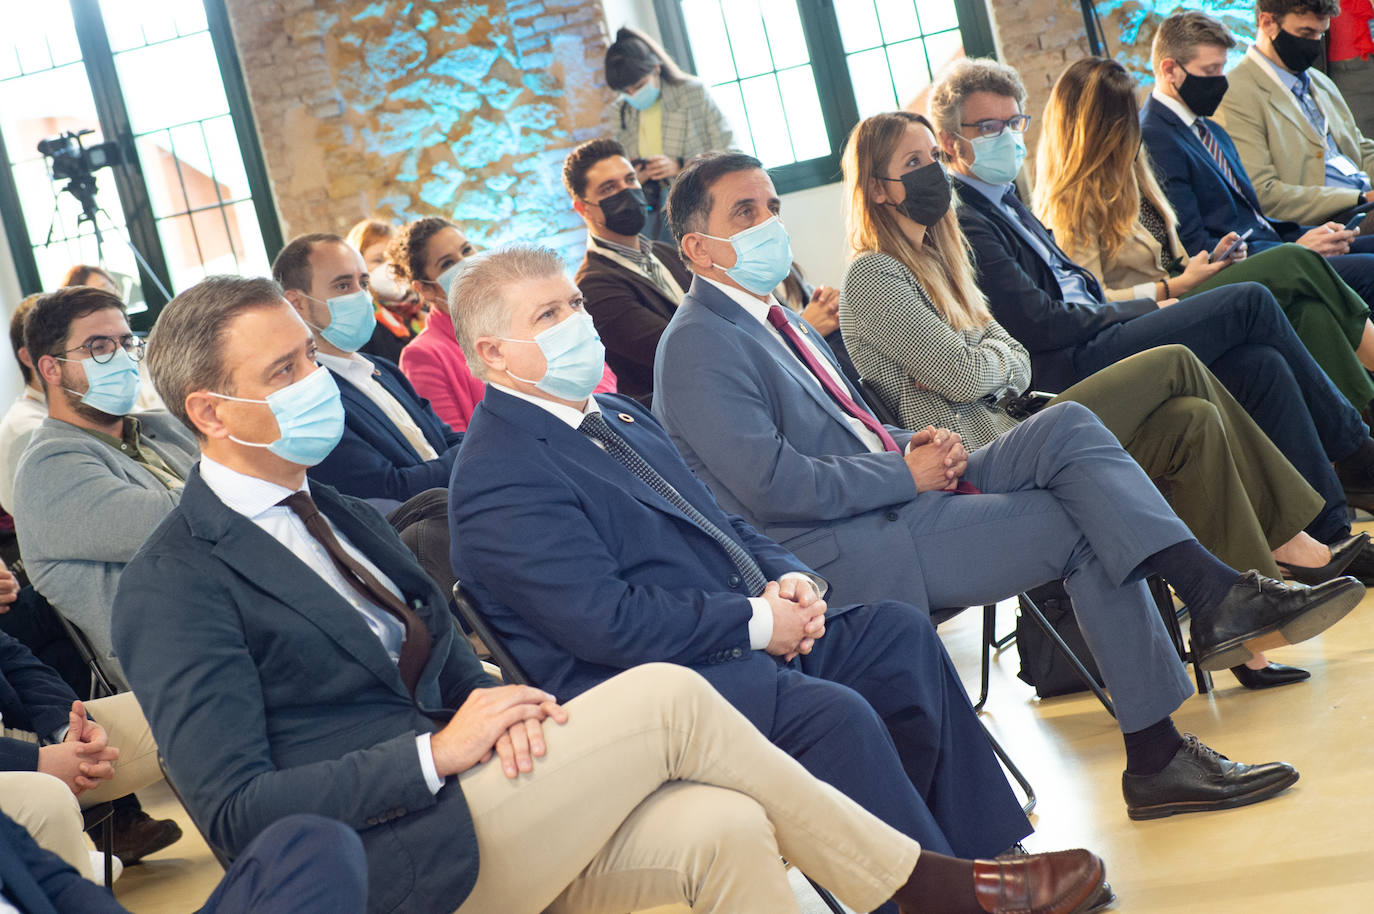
(1096, 189)
(920, 332)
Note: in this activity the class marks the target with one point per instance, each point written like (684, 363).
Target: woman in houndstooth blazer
(919, 330)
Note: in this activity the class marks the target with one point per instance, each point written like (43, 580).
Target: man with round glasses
(94, 480)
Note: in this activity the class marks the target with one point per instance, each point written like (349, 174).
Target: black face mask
(927, 194)
(1202, 94)
(625, 211)
(1297, 54)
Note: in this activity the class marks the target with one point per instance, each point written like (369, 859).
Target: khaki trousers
(1222, 475)
(45, 806)
(657, 791)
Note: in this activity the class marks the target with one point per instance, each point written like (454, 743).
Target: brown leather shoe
(1062, 882)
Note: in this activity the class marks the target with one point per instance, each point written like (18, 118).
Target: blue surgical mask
(446, 278)
(111, 387)
(763, 256)
(643, 98)
(998, 159)
(574, 356)
(351, 320)
(310, 417)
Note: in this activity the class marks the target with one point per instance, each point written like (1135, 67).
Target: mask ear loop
(244, 400)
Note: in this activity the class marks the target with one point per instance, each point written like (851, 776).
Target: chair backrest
(512, 671)
(876, 403)
(102, 684)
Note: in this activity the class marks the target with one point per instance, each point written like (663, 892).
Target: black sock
(1149, 751)
(1196, 575)
(1359, 465)
(939, 883)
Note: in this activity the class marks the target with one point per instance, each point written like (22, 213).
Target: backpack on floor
(1043, 665)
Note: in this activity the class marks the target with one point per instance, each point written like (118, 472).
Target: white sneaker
(98, 868)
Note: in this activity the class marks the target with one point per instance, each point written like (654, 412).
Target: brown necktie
(415, 647)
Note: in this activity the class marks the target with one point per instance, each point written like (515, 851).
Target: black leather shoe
(1361, 566)
(1199, 779)
(1271, 677)
(137, 834)
(1259, 613)
(1343, 553)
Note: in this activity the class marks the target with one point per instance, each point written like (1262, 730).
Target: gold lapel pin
(626, 417)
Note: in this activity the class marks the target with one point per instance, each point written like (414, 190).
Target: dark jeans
(422, 523)
(1357, 267)
(1242, 335)
(303, 864)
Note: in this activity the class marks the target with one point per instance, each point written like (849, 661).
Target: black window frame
(839, 108)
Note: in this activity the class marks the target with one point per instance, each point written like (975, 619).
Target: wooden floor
(1305, 851)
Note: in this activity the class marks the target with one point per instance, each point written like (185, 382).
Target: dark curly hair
(405, 254)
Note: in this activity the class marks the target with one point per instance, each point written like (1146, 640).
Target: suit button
(737, 653)
(733, 580)
(370, 821)
(892, 516)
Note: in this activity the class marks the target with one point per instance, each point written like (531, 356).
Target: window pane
(134, 23)
(710, 45)
(225, 159)
(909, 72)
(159, 171)
(786, 39)
(747, 39)
(803, 107)
(943, 49)
(767, 121)
(937, 15)
(154, 100)
(872, 82)
(732, 104)
(859, 26)
(898, 18)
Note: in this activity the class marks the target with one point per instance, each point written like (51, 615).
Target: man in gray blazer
(763, 415)
(94, 480)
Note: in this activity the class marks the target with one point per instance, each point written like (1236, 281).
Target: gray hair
(1180, 36)
(184, 349)
(966, 77)
(477, 301)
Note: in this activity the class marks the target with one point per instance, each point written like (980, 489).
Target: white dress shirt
(359, 372)
(1175, 105)
(21, 420)
(761, 623)
(257, 499)
(759, 311)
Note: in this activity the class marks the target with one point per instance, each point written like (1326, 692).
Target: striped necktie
(1214, 148)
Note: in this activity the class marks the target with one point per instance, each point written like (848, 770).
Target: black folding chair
(513, 672)
(102, 684)
(220, 856)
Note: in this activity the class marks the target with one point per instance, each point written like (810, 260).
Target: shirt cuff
(761, 625)
(821, 585)
(1144, 290)
(432, 779)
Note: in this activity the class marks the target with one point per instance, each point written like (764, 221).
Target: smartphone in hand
(1235, 244)
(1354, 224)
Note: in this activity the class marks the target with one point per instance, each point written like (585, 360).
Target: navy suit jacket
(756, 427)
(1024, 295)
(621, 577)
(1206, 205)
(32, 697)
(374, 460)
(37, 881)
(269, 695)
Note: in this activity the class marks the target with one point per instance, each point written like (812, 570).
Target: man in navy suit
(586, 570)
(1058, 311)
(396, 452)
(1210, 199)
(771, 426)
(394, 446)
(292, 657)
(300, 865)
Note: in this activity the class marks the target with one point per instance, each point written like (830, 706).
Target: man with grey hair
(293, 658)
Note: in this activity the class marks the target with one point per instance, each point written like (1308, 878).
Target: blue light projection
(1138, 20)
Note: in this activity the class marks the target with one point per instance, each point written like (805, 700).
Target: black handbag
(1043, 665)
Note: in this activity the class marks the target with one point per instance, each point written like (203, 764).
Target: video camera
(74, 162)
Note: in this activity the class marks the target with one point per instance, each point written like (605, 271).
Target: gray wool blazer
(81, 511)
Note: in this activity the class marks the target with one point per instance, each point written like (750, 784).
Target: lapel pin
(626, 417)
(805, 329)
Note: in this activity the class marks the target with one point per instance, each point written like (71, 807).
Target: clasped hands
(505, 720)
(798, 616)
(84, 758)
(936, 459)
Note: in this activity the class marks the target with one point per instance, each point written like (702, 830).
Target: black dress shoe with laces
(1270, 677)
(1343, 555)
(1259, 613)
(1199, 779)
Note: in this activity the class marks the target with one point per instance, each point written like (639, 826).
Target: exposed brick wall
(423, 107)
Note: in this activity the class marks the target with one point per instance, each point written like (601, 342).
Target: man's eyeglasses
(993, 126)
(103, 348)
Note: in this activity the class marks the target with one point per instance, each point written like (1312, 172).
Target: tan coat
(1281, 150)
(1135, 268)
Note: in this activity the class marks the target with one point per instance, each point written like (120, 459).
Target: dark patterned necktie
(415, 647)
(594, 426)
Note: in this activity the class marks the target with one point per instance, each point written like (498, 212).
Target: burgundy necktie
(779, 320)
(415, 647)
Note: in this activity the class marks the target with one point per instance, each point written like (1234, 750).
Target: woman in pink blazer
(426, 253)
